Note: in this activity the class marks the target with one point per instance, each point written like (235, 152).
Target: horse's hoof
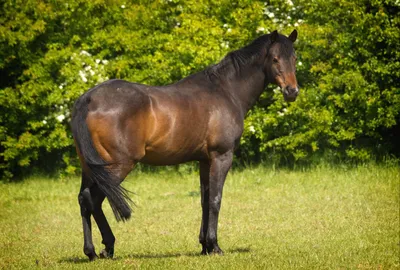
(93, 257)
(218, 252)
(104, 254)
(212, 251)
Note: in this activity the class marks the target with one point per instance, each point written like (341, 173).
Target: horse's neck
(246, 87)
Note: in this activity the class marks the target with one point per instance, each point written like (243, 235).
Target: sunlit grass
(270, 219)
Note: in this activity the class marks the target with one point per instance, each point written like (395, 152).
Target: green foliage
(348, 70)
(53, 51)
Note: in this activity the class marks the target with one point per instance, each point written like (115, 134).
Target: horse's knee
(215, 205)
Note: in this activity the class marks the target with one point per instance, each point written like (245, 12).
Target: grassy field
(270, 219)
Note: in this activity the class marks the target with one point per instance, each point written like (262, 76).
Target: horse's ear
(293, 35)
(274, 36)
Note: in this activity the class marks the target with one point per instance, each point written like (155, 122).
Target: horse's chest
(225, 134)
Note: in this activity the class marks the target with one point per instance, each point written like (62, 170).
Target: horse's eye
(275, 60)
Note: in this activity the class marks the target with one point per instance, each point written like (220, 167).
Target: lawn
(324, 218)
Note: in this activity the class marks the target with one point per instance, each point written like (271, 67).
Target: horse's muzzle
(290, 93)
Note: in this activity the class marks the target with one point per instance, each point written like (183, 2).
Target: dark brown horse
(118, 124)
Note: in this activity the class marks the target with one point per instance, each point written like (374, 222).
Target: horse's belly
(161, 159)
(173, 154)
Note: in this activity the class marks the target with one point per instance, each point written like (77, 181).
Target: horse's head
(280, 64)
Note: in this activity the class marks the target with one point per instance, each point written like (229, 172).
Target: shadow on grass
(79, 260)
(186, 254)
(75, 260)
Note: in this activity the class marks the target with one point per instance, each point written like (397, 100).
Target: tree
(53, 51)
(348, 70)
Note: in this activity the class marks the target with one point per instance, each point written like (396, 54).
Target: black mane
(239, 59)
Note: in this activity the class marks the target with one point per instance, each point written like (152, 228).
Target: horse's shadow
(78, 260)
(183, 254)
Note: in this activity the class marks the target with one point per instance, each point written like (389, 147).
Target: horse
(117, 124)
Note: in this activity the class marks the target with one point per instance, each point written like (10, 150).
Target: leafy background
(348, 70)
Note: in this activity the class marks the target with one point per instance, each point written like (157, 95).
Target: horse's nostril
(292, 90)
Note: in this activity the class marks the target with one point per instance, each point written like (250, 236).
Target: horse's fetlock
(88, 250)
(109, 242)
(211, 241)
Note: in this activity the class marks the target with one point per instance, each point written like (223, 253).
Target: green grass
(270, 219)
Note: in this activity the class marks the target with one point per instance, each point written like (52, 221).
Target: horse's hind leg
(117, 174)
(86, 205)
(105, 229)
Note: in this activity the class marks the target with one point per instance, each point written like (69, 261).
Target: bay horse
(117, 124)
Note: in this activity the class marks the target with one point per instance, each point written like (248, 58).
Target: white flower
(299, 63)
(252, 129)
(122, 6)
(60, 118)
(225, 25)
(225, 44)
(97, 61)
(44, 122)
(260, 29)
(229, 30)
(296, 24)
(83, 52)
(105, 62)
(61, 86)
(280, 113)
(284, 110)
(289, 2)
(83, 75)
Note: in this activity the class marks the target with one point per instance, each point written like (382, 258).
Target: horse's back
(114, 94)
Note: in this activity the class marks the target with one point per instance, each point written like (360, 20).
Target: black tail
(116, 194)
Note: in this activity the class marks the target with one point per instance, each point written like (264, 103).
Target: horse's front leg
(204, 187)
(219, 167)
